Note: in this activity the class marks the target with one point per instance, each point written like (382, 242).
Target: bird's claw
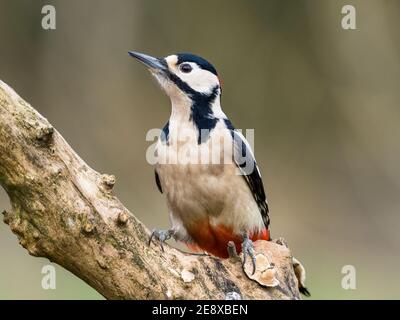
(248, 249)
(232, 253)
(161, 236)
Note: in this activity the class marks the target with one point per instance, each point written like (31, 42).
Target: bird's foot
(161, 236)
(232, 253)
(248, 249)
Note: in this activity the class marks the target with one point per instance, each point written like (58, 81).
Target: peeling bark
(67, 212)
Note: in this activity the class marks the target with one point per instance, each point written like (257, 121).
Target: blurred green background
(324, 102)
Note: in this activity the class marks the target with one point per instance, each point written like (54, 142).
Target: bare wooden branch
(65, 211)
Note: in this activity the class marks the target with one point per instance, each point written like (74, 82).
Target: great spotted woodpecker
(206, 168)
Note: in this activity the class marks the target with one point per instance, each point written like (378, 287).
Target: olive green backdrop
(324, 103)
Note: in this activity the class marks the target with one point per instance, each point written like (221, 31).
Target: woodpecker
(209, 203)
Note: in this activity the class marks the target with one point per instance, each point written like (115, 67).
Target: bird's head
(182, 75)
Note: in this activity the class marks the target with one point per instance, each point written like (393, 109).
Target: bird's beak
(149, 61)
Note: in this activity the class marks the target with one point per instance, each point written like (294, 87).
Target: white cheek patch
(200, 80)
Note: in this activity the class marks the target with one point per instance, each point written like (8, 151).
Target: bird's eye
(185, 67)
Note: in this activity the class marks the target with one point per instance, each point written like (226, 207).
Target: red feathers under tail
(214, 240)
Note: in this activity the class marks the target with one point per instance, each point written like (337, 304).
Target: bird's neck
(198, 114)
(197, 107)
(180, 108)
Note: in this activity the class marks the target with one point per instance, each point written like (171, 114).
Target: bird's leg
(248, 249)
(162, 236)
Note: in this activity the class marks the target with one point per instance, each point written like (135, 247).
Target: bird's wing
(245, 161)
(164, 139)
(158, 182)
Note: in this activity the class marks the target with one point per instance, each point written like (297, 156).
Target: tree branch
(65, 211)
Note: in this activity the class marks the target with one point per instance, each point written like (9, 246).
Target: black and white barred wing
(246, 163)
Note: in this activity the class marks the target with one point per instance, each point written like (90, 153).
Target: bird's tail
(300, 273)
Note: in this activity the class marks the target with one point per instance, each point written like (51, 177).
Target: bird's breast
(202, 187)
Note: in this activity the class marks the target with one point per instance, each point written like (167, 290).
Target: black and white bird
(208, 175)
